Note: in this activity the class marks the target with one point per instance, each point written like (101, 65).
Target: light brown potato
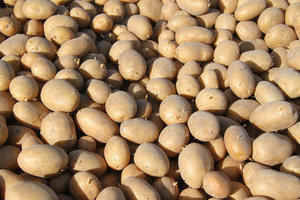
(209, 79)
(30, 141)
(137, 90)
(130, 9)
(194, 7)
(249, 169)
(166, 35)
(133, 170)
(221, 72)
(178, 21)
(248, 45)
(166, 187)
(94, 163)
(68, 94)
(280, 35)
(29, 190)
(264, 145)
(278, 4)
(294, 133)
(195, 51)
(257, 60)
(188, 86)
(43, 69)
(189, 193)
(87, 102)
(169, 9)
(190, 68)
(116, 153)
(166, 48)
(160, 88)
(14, 45)
(194, 162)
(7, 74)
(81, 16)
(87, 143)
(292, 58)
(204, 126)
(30, 114)
(291, 165)
(86, 5)
(209, 18)
(92, 69)
(34, 28)
(287, 186)
(248, 30)
(60, 183)
(67, 62)
(84, 186)
(136, 188)
(266, 91)
(239, 191)
(17, 133)
(290, 13)
(271, 74)
(23, 88)
(72, 76)
(194, 34)
(154, 13)
(225, 21)
(217, 148)
(127, 35)
(7, 179)
(38, 9)
(92, 122)
(18, 11)
(217, 184)
(28, 177)
(232, 168)
(211, 100)
(274, 116)
(14, 61)
(61, 34)
(115, 10)
(28, 58)
(151, 159)
(69, 47)
(227, 6)
(43, 160)
(226, 52)
(162, 68)
(241, 79)
(10, 26)
(98, 90)
(114, 79)
(140, 26)
(241, 109)
(249, 10)
(111, 193)
(220, 35)
(237, 143)
(269, 18)
(144, 109)
(119, 47)
(8, 157)
(3, 130)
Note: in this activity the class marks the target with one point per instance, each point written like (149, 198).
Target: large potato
(162, 68)
(280, 35)
(42, 46)
(69, 47)
(195, 51)
(269, 18)
(225, 21)
(14, 45)
(160, 88)
(150, 8)
(249, 169)
(248, 30)
(266, 91)
(38, 9)
(194, 7)
(43, 160)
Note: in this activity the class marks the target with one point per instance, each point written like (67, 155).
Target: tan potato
(217, 148)
(195, 51)
(7, 179)
(24, 88)
(61, 34)
(87, 102)
(8, 157)
(111, 179)
(43, 160)
(136, 188)
(43, 69)
(60, 183)
(166, 35)
(29, 190)
(296, 23)
(278, 4)
(69, 47)
(39, 9)
(10, 26)
(190, 68)
(111, 193)
(249, 169)
(211, 100)
(227, 6)
(87, 143)
(151, 159)
(221, 72)
(81, 16)
(17, 133)
(291, 165)
(18, 11)
(67, 62)
(3, 130)
(154, 13)
(290, 13)
(178, 21)
(257, 60)
(194, 34)
(130, 9)
(241, 109)
(269, 18)
(114, 79)
(257, 44)
(127, 35)
(115, 9)
(226, 52)
(221, 35)
(34, 28)
(204, 126)
(248, 30)
(144, 109)
(264, 145)
(241, 79)
(86, 5)
(194, 162)
(84, 186)
(274, 116)
(92, 69)
(217, 184)
(239, 191)
(28, 58)
(225, 21)
(72, 76)
(280, 35)
(237, 143)
(266, 91)
(132, 170)
(249, 10)
(14, 61)
(137, 90)
(209, 18)
(189, 193)
(232, 168)
(292, 58)
(166, 187)
(30, 141)
(160, 88)
(7, 74)
(14, 45)
(188, 86)
(278, 185)
(169, 9)
(116, 153)
(166, 48)
(119, 47)
(209, 79)
(28, 177)
(293, 132)
(194, 7)
(271, 74)
(225, 122)
(140, 26)
(98, 90)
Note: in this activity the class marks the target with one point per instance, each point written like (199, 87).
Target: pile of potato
(149, 99)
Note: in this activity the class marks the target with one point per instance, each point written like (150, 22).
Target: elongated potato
(43, 69)
(194, 7)
(217, 184)
(140, 26)
(248, 30)
(154, 13)
(38, 9)
(14, 45)
(269, 18)
(69, 47)
(195, 51)
(266, 91)
(194, 34)
(257, 60)
(287, 82)
(179, 21)
(249, 10)
(7, 74)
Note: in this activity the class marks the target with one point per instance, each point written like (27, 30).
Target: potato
(7, 179)
(38, 9)
(169, 9)
(249, 169)
(292, 58)
(232, 168)
(154, 13)
(239, 191)
(291, 12)
(61, 34)
(130, 9)
(293, 132)
(279, 35)
(7, 74)
(189, 193)
(190, 68)
(217, 148)
(29, 190)
(84, 186)
(34, 28)
(87, 143)
(237, 143)
(178, 21)
(136, 188)
(188, 86)
(151, 159)
(86, 5)
(132, 65)
(127, 35)
(166, 48)
(217, 184)
(111, 193)
(263, 148)
(30, 141)
(118, 47)
(43, 69)
(225, 21)
(162, 68)
(269, 18)
(166, 187)
(137, 90)
(249, 10)
(14, 61)
(140, 26)
(114, 79)
(248, 30)
(144, 108)
(114, 9)
(17, 133)
(10, 26)
(291, 165)
(241, 79)
(241, 110)
(195, 51)
(62, 10)
(221, 72)
(225, 122)
(227, 6)
(231, 54)
(14, 45)
(111, 179)
(72, 76)
(81, 16)
(208, 19)
(69, 47)
(60, 183)
(166, 35)
(194, 7)
(274, 116)
(221, 35)
(211, 100)
(257, 60)
(274, 184)
(266, 91)
(256, 44)
(28, 58)
(28, 177)
(194, 34)
(24, 88)
(8, 157)
(132, 170)
(98, 90)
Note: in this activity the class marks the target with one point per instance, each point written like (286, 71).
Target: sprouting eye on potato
(149, 99)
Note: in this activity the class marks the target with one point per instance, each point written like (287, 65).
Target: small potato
(114, 79)
(94, 163)
(294, 133)
(130, 9)
(14, 45)
(132, 65)
(211, 100)
(69, 47)
(60, 183)
(194, 162)
(62, 89)
(195, 51)
(18, 11)
(173, 138)
(98, 90)
(264, 145)
(241, 110)
(166, 48)
(217, 184)
(189, 193)
(291, 165)
(24, 88)
(221, 35)
(30, 113)
(151, 159)
(38, 9)
(169, 9)
(28, 58)
(132, 170)
(43, 69)
(174, 110)
(116, 153)
(190, 68)
(257, 60)
(237, 143)
(204, 126)
(119, 47)
(137, 90)
(111, 193)
(249, 10)
(84, 186)
(194, 34)
(72, 76)
(179, 21)
(81, 16)
(34, 28)
(115, 9)
(43, 160)
(209, 18)
(232, 168)
(188, 86)
(67, 62)
(166, 187)
(269, 18)
(248, 30)
(227, 6)
(217, 148)
(226, 52)
(280, 35)
(256, 44)
(10, 26)
(292, 58)
(225, 21)
(61, 34)
(86, 5)
(160, 88)
(271, 183)
(95, 123)
(208, 79)
(266, 91)
(140, 26)
(162, 68)
(136, 188)
(92, 69)
(8, 157)
(194, 7)
(7, 74)
(274, 116)
(241, 79)
(102, 23)
(221, 72)
(144, 108)
(7, 179)
(127, 35)
(29, 190)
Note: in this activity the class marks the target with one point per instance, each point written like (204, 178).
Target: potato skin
(111, 193)
(266, 91)
(38, 9)
(194, 7)
(194, 34)
(196, 51)
(288, 82)
(249, 10)
(217, 184)
(24, 88)
(140, 26)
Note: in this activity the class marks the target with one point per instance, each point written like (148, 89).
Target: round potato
(217, 148)
(169, 9)
(226, 52)
(167, 48)
(102, 23)
(209, 79)
(266, 91)
(225, 21)
(15, 44)
(241, 110)
(248, 30)
(190, 68)
(92, 69)
(119, 47)
(269, 18)
(217, 184)
(154, 13)
(43, 69)
(69, 47)
(111, 193)
(7, 74)
(10, 26)
(67, 62)
(133, 170)
(280, 35)
(42, 46)
(140, 26)
(38, 9)
(61, 34)
(98, 90)
(24, 88)
(115, 9)
(137, 90)
(162, 68)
